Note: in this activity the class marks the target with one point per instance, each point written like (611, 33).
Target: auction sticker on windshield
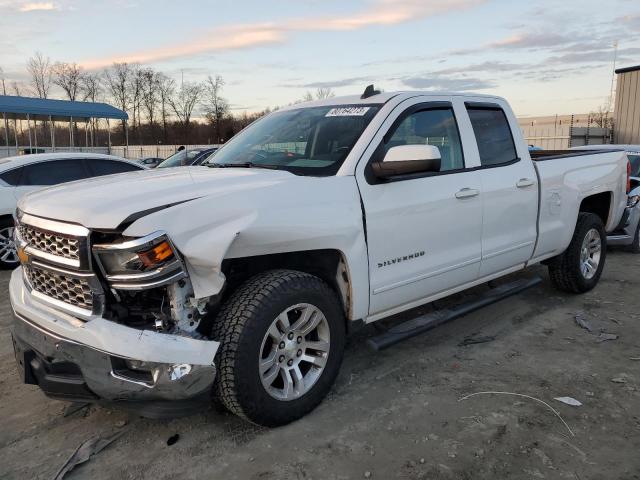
(347, 112)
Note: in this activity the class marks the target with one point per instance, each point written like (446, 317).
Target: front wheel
(282, 338)
(579, 268)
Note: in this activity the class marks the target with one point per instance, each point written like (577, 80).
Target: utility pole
(613, 73)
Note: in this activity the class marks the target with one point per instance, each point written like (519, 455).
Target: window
(493, 135)
(431, 127)
(305, 141)
(53, 172)
(12, 177)
(100, 167)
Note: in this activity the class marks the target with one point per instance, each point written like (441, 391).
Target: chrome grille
(51, 243)
(72, 291)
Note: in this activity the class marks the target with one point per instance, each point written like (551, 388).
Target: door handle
(467, 193)
(524, 182)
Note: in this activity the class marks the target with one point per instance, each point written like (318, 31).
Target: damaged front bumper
(100, 360)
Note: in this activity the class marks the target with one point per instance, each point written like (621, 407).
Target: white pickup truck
(237, 281)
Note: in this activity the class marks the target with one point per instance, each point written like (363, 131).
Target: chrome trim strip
(143, 286)
(134, 277)
(130, 380)
(62, 271)
(70, 262)
(54, 226)
(131, 244)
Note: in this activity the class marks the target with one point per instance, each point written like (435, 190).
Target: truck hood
(212, 214)
(108, 202)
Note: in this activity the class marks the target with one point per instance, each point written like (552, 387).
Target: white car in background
(25, 173)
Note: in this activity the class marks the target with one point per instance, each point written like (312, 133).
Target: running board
(423, 323)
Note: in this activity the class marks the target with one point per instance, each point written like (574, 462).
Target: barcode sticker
(347, 112)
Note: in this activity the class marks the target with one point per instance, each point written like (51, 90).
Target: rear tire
(8, 253)
(579, 268)
(282, 338)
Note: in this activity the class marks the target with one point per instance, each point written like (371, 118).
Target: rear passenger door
(509, 191)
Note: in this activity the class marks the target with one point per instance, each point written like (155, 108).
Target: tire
(251, 330)
(568, 271)
(635, 246)
(8, 254)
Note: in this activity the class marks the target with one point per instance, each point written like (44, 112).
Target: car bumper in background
(626, 231)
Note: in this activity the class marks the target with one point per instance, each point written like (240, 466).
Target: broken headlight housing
(140, 263)
(632, 201)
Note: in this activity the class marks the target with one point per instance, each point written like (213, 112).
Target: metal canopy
(23, 108)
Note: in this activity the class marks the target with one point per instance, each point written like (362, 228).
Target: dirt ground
(395, 414)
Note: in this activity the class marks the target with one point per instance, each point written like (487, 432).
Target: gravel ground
(395, 414)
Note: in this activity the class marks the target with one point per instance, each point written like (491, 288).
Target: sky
(546, 57)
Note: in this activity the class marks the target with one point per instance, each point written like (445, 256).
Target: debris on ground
(173, 439)
(367, 474)
(472, 340)
(603, 337)
(634, 358)
(523, 396)
(582, 323)
(74, 407)
(120, 423)
(619, 380)
(569, 401)
(85, 451)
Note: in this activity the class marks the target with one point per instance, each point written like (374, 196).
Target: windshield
(634, 159)
(179, 159)
(307, 141)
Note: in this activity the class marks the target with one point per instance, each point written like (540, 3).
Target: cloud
(228, 38)
(38, 6)
(343, 82)
(436, 82)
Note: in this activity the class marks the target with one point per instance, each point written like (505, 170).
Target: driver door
(423, 230)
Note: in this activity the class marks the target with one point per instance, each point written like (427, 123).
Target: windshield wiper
(243, 165)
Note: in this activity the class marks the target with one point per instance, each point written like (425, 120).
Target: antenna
(370, 91)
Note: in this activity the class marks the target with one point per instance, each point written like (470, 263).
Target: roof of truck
(383, 97)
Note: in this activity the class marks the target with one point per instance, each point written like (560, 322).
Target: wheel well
(598, 204)
(6, 217)
(329, 265)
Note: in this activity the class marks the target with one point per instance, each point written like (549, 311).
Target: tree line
(161, 111)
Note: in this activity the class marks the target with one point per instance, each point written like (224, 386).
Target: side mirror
(407, 159)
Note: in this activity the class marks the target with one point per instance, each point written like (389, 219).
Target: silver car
(627, 233)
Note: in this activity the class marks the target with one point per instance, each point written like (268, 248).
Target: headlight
(141, 263)
(633, 200)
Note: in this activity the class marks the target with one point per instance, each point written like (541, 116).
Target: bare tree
(4, 87)
(215, 106)
(17, 88)
(322, 93)
(117, 79)
(91, 89)
(308, 97)
(184, 101)
(602, 116)
(39, 67)
(135, 94)
(150, 98)
(166, 89)
(68, 76)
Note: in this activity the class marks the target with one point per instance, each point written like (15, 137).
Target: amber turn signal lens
(156, 255)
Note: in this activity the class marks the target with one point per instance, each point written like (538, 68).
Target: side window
(493, 135)
(12, 177)
(53, 172)
(431, 127)
(100, 167)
